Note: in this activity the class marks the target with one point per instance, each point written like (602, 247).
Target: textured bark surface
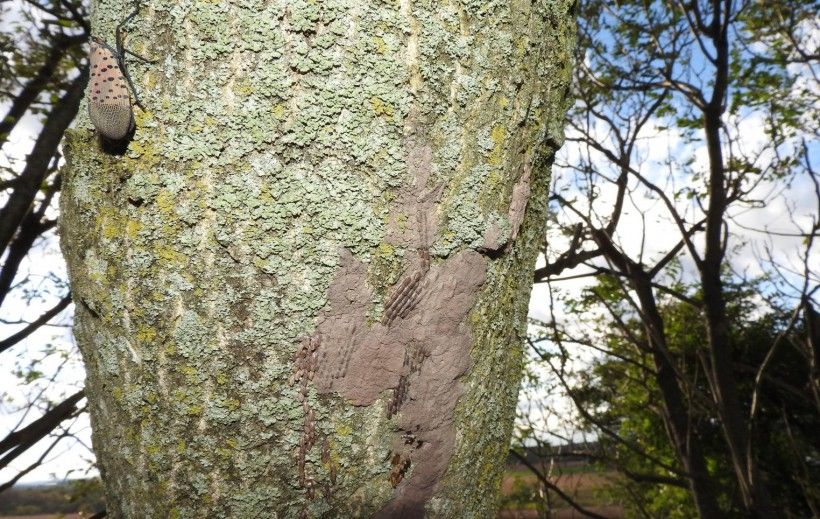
(302, 289)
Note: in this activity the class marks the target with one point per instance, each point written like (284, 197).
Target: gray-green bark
(303, 288)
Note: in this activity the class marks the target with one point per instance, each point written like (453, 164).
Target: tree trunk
(676, 416)
(302, 289)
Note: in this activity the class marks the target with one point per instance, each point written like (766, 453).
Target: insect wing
(109, 102)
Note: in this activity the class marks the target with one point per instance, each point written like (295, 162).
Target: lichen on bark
(297, 161)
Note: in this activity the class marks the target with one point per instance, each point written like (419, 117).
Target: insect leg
(122, 51)
(141, 58)
(127, 77)
(127, 19)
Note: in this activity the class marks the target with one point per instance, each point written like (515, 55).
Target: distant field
(74, 499)
(611, 512)
(522, 500)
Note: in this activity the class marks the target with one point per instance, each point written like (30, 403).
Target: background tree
(618, 398)
(42, 76)
(732, 85)
(302, 288)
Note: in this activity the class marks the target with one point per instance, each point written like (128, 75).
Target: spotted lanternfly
(109, 102)
(109, 99)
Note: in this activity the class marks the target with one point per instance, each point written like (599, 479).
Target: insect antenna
(141, 58)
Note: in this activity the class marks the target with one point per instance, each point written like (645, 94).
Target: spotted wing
(109, 102)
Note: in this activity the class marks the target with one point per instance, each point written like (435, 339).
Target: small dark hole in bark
(493, 254)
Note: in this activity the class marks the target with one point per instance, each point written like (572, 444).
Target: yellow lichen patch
(265, 196)
(224, 453)
(494, 180)
(97, 276)
(132, 228)
(334, 459)
(279, 111)
(170, 256)
(503, 102)
(166, 201)
(156, 295)
(260, 263)
(141, 117)
(381, 108)
(153, 449)
(522, 44)
(146, 334)
(401, 221)
(497, 135)
(381, 47)
(144, 151)
(385, 249)
(222, 379)
(232, 403)
(243, 88)
(117, 393)
(150, 79)
(181, 446)
(386, 266)
(343, 430)
(190, 373)
(170, 349)
(111, 224)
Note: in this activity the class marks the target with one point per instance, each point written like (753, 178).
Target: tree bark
(302, 289)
